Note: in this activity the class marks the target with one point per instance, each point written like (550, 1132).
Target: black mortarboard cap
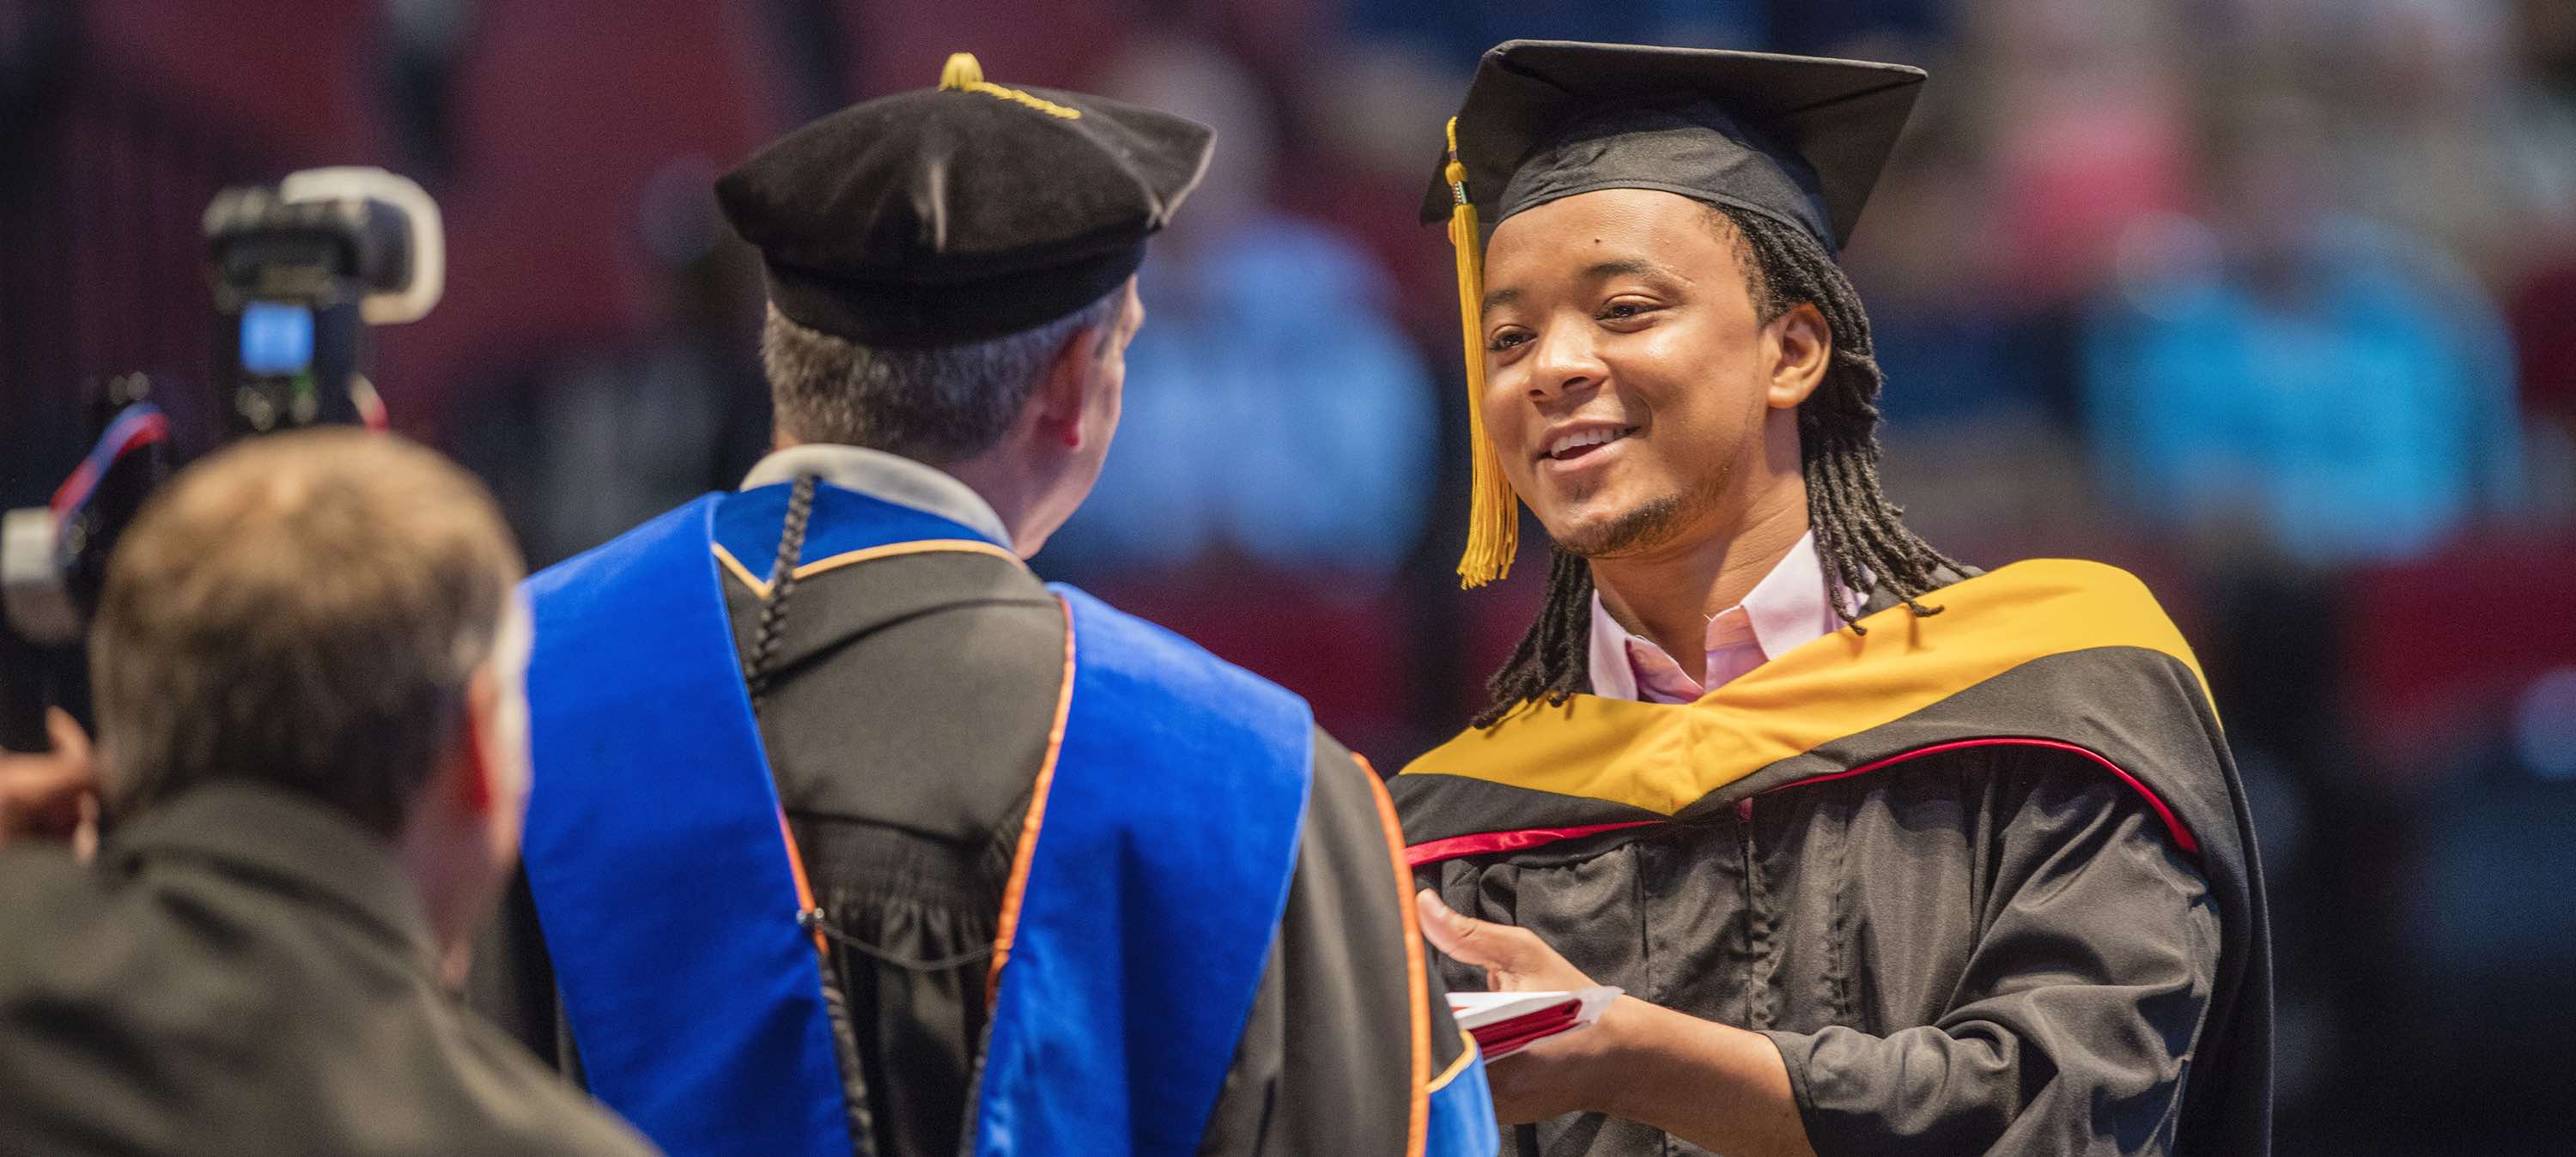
(1797, 138)
(963, 212)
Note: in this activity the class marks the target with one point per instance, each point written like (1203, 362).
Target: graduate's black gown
(1997, 949)
(1990, 952)
(906, 719)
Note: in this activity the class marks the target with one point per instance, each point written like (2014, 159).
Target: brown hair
(303, 610)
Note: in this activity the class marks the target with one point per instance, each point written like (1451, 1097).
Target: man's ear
(1063, 394)
(1803, 347)
(473, 789)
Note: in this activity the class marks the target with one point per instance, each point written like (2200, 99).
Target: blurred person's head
(1934, 223)
(1197, 78)
(1025, 419)
(331, 613)
(2438, 58)
(2545, 31)
(2272, 168)
(700, 278)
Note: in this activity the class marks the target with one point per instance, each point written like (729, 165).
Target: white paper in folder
(1504, 1023)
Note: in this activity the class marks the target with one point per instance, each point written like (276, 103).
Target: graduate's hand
(1714, 1085)
(50, 794)
(1567, 1074)
(1514, 959)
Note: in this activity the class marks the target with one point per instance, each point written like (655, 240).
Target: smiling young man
(1888, 854)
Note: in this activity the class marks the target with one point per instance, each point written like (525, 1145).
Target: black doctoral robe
(906, 719)
(1986, 880)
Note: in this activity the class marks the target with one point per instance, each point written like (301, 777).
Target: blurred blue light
(276, 339)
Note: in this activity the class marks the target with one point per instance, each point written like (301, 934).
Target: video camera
(300, 272)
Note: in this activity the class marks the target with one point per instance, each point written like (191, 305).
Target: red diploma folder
(1504, 1023)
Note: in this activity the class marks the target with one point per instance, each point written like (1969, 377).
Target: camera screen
(276, 339)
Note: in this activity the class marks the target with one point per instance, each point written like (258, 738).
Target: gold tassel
(963, 73)
(1493, 511)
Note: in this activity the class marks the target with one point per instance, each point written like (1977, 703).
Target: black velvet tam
(963, 212)
(1796, 138)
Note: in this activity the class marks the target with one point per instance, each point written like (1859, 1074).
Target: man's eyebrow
(1625, 267)
(1629, 267)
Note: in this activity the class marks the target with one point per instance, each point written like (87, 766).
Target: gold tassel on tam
(1493, 511)
(963, 73)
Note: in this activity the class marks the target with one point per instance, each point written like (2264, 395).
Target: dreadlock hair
(1860, 536)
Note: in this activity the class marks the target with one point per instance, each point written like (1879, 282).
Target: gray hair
(931, 404)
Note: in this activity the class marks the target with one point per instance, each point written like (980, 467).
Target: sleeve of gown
(1325, 1062)
(2076, 1015)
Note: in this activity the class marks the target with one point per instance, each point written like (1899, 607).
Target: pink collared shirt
(1788, 607)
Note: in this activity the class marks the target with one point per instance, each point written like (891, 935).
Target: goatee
(1648, 525)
